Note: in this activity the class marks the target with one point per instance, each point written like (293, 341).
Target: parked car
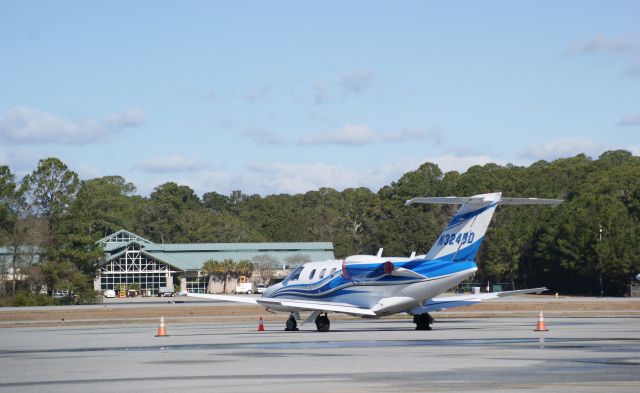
(60, 293)
(260, 288)
(109, 293)
(166, 291)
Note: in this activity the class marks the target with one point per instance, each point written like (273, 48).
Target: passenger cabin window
(333, 271)
(322, 272)
(311, 274)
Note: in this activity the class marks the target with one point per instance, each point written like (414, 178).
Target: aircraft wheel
(322, 323)
(423, 321)
(291, 325)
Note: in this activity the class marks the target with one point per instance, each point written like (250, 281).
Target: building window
(197, 284)
(147, 282)
(133, 267)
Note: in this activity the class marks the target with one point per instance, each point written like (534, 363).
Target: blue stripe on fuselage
(459, 218)
(338, 285)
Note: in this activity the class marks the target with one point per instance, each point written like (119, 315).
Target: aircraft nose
(271, 289)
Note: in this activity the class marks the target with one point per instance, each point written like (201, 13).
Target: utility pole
(600, 261)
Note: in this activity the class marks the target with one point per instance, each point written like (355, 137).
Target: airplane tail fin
(461, 239)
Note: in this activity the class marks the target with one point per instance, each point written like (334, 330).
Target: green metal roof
(24, 252)
(191, 257)
(233, 247)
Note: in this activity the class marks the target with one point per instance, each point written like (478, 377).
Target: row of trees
(563, 248)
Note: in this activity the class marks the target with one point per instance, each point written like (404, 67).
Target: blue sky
(271, 97)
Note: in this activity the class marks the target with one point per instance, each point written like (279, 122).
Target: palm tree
(227, 268)
(212, 269)
(244, 268)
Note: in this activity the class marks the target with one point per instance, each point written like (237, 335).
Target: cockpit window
(296, 273)
(293, 276)
(311, 274)
(322, 272)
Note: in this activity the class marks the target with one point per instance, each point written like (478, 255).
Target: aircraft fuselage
(365, 283)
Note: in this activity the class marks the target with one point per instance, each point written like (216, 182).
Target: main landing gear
(423, 321)
(291, 325)
(322, 323)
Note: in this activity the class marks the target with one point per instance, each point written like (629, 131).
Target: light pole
(600, 261)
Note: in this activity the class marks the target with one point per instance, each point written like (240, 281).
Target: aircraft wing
(441, 303)
(307, 305)
(289, 304)
(226, 298)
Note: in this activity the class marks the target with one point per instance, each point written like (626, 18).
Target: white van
(166, 291)
(246, 287)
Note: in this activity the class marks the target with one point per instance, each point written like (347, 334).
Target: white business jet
(373, 286)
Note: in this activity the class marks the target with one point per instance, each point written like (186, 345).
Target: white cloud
(351, 135)
(86, 171)
(565, 147)
(602, 44)
(224, 121)
(259, 94)
(211, 180)
(174, 163)
(27, 125)
(630, 120)
(264, 136)
(409, 134)
(622, 46)
(359, 135)
(321, 93)
(356, 82)
(207, 94)
(349, 84)
(270, 178)
(130, 118)
(267, 178)
(20, 160)
(298, 178)
(634, 70)
(461, 163)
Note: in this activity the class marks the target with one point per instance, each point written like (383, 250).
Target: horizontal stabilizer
(442, 303)
(481, 199)
(529, 201)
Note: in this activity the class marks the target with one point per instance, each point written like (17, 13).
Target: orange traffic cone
(540, 327)
(260, 325)
(162, 330)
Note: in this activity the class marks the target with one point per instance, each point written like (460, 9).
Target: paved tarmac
(466, 355)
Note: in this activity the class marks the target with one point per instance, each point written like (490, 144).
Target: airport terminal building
(130, 259)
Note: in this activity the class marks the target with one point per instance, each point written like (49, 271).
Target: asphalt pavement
(470, 355)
